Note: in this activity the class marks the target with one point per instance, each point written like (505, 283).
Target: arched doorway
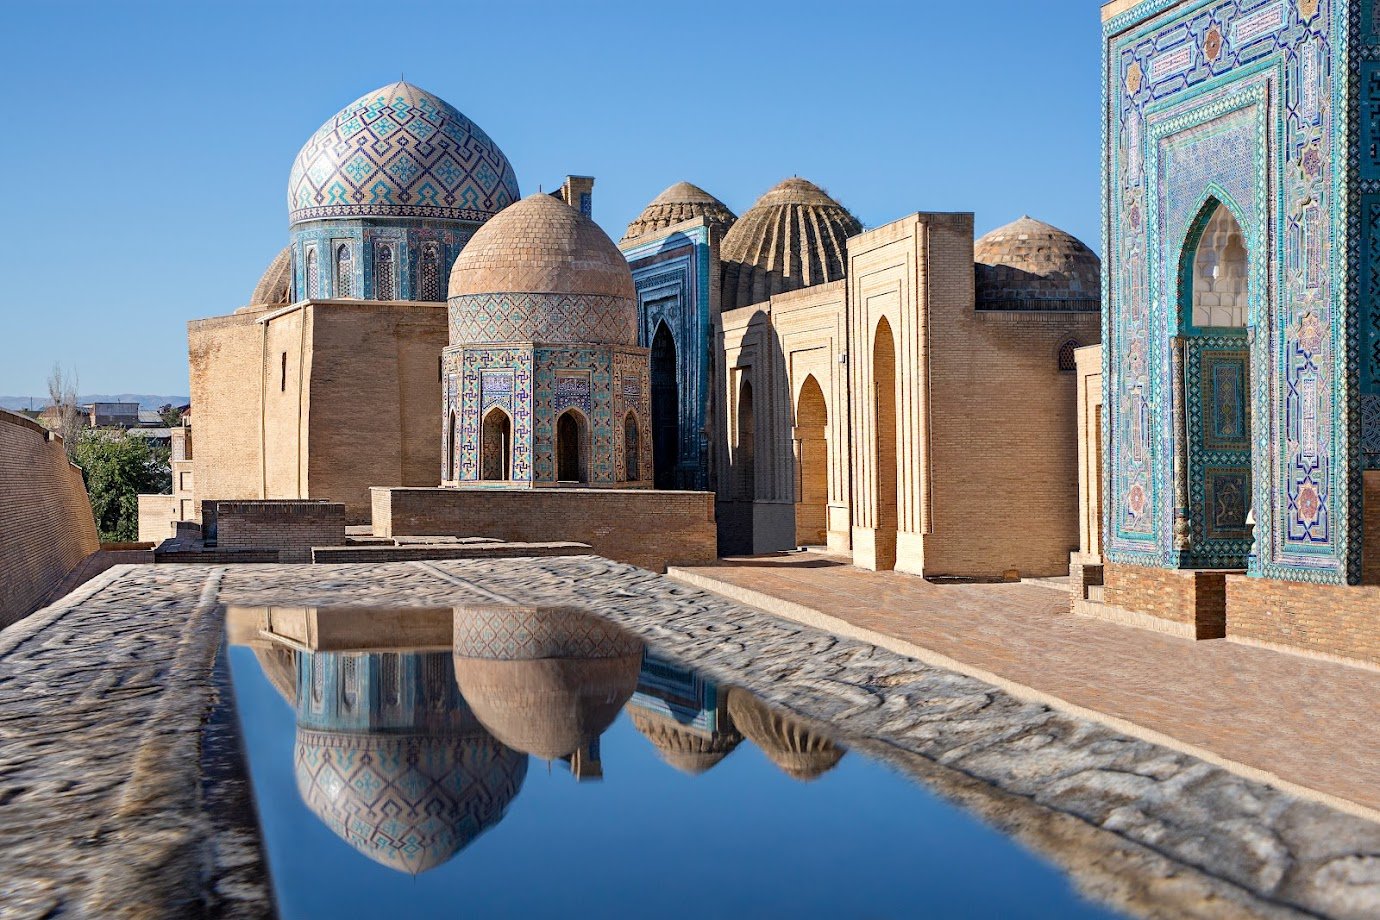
(812, 474)
(665, 409)
(452, 466)
(743, 461)
(884, 384)
(632, 447)
(496, 446)
(572, 447)
(1211, 360)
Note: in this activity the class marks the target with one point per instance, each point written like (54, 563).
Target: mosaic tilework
(1242, 101)
(492, 318)
(470, 367)
(1217, 396)
(672, 280)
(400, 152)
(423, 253)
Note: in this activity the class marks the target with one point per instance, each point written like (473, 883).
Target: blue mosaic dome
(399, 151)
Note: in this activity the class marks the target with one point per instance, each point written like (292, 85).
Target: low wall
(289, 526)
(1332, 621)
(157, 517)
(650, 529)
(1194, 599)
(46, 526)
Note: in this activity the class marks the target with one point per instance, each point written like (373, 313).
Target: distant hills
(145, 400)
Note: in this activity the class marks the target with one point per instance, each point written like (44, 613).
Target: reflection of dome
(409, 802)
(275, 287)
(1029, 265)
(392, 760)
(787, 741)
(678, 203)
(400, 152)
(542, 272)
(545, 681)
(279, 665)
(687, 750)
(793, 237)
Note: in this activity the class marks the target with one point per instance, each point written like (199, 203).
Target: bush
(117, 468)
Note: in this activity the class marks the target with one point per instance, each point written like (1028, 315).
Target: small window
(429, 274)
(313, 274)
(384, 288)
(344, 272)
(282, 380)
(1068, 359)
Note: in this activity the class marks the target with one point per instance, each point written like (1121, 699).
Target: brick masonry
(290, 527)
(1193, 598)
(46, 526)
(651, 529)
(1329, 620)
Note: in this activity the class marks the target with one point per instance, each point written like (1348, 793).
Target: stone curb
(809, 616)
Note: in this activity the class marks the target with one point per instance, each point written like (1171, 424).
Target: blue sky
(147, 155)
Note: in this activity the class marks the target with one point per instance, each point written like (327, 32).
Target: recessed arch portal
(632, 447)
(452, 471)
(572, 447)
(496, 445)
(665, 409)
(744, 460)
(812, 452)
(884, 396)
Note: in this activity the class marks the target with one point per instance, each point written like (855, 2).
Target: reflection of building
(1241, 376)
(801, 751)
(684, 716)
(546, 681)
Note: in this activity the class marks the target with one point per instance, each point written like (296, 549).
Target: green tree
(117, 468)
(170, 415)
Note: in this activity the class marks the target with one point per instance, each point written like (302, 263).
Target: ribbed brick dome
(1030, 265)
(680, 202)
(793, 237)
(275, 286)
(541, 245)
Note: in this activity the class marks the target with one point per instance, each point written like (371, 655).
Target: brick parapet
(1330, 621)
(1190, 597)
(292, 528)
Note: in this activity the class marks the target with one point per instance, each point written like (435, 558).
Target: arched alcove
(812, 489)
(1220, 279)
(665, 409)
(884, 396)
(496, 446)
(452, 461)
(743, 460)
(572, 447)
(632, 446)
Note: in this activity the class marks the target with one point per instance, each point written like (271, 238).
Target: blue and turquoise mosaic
(416, 265)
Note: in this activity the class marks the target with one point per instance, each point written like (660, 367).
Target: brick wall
(1195, 598)
(46, 527)
(290, 527)
(651, 529)
(1330, 620)
(1370, 530)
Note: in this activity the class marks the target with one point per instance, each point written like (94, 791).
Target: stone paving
(1310, 722)
(107, 698)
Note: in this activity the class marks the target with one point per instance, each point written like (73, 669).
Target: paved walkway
(1309, 722)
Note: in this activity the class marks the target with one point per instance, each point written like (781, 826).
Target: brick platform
(1194, 599)
(1329, 620)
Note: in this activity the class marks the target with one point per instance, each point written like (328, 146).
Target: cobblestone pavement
(104, 700)
(1310, 722)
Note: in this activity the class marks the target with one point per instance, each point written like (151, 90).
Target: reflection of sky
(648, 841)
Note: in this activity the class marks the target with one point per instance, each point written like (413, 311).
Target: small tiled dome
(680, 202)
(400, 152)
(793, 237)
(275, 287)
(542, 272)
(688, 751)
(1029, 265)
(544, 681)
(799, 751)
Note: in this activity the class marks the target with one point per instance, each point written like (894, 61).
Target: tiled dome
(407, 801)
(542, 272)
(799, 751)
(275, 287)
(793, 237)
(1029, 265)
(544, 681)
(678, 203)
(399, 151)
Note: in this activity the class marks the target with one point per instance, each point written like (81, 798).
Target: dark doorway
(571, 448)
(665, 410)
(496, 445)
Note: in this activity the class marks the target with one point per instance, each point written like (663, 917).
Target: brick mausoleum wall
(650, 529)
(1194, 598)
(291, 527)
(1334, 620)
(46, 527)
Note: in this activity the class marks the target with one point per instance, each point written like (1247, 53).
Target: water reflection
(414, 728)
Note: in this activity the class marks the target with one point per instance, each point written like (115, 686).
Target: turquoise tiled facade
(1248, 105)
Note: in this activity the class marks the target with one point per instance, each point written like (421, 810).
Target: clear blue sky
(147, 146)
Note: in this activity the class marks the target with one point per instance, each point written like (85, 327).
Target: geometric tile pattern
(422, 250)
(525, 317)
(399, 151)
(528, 634)
(1243, 102)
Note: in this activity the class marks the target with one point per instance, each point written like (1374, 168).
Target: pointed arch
(496, 446)
(632, 447)
(885, 443)
(744, 461)
(385, 272)
(665, 385)
(572, 447)
(344, 271)
(812, 453)
(452, 463)
(1214, 266)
